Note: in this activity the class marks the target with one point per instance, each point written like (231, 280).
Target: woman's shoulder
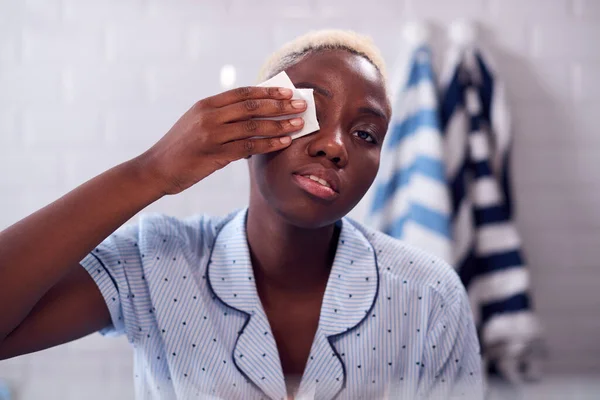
(407, 264)
(191, 230)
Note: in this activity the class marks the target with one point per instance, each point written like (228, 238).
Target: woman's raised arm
(46, 298)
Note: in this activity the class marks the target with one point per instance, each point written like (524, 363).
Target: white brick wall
(86, 84)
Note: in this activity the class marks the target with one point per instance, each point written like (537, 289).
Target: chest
(230, 354)
(213, 359)
(294, 325)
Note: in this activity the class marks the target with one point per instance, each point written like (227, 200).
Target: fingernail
(285, 92)
(296, 121)
(298, 103)
(285, 139)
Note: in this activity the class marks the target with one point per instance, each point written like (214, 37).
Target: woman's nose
(329, 143)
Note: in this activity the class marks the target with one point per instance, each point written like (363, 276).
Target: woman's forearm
(36, 252)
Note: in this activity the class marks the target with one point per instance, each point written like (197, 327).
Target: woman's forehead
(341, 72)
(322, 63)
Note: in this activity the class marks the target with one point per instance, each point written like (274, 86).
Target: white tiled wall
(86, 84)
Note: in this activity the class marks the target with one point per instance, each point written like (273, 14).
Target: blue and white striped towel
(487, 246)
(411, 199)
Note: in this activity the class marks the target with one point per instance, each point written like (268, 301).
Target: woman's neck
(288, 257)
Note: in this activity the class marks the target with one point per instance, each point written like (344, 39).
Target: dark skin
(284, 220)
(47, 298)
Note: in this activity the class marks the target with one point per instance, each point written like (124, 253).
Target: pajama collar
(350, 294)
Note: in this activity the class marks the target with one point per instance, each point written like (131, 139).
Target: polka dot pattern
(393, 320)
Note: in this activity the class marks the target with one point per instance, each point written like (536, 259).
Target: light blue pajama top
(395, 322)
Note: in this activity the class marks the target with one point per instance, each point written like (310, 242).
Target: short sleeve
(452, 353)
(116, 267)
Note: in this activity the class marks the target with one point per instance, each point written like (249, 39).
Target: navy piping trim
(331, 338)
(248, 316)
(106, 270)
(344, 378)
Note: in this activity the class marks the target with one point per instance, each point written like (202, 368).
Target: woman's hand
(219, 130)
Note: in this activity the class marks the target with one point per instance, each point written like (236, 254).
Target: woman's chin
(309, 216)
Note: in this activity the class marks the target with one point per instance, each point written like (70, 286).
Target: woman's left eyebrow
(372, 111)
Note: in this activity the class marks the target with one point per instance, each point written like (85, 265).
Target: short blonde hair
(328, 39)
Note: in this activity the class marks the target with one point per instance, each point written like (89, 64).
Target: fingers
(247, 147)
(246, 93)
(253, 108)
(253, 128)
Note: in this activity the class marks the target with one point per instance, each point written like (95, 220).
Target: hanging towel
(5, 392)
(411, 200)
(487, 246)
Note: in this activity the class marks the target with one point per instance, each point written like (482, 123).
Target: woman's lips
(315, 188)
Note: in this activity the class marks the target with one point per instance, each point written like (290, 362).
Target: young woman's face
(353, 114)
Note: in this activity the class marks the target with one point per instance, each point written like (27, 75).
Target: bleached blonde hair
(327, 39)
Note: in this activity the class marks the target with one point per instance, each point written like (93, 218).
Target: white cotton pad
(280, 80)
(310, 115)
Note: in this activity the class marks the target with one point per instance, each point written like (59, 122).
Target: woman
(284, 298)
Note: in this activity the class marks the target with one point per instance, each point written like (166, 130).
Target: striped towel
(487, 247)
(410, 199)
